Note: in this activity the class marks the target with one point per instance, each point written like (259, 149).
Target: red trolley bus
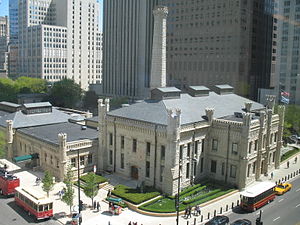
(35, 203)
(8, 183)
(257, 196)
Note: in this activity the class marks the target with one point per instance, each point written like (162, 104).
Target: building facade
(288, 70)
(60, 39)
(219, 136)
(127, 47)
(208, 43)
(4, 40)
(39, 128)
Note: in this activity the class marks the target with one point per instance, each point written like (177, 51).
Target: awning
(25, 157)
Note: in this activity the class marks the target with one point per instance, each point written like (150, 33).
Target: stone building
(39, 128)
(217, 135)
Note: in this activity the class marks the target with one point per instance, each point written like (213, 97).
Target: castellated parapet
(209, 114)
(248, 106)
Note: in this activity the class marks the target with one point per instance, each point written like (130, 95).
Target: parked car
(281, 188)
(218, 220)
(241, 222)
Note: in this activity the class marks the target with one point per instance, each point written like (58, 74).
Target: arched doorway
(135, 172)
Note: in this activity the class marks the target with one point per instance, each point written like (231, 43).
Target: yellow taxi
(281, 188)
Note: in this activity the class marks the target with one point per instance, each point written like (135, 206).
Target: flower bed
(193, 196)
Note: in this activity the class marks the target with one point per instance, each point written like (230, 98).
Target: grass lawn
(98, 179)
(188, 197)
(134, 195)
(289, 154)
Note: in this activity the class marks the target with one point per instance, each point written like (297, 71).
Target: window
(213, 166)
(187, 170)
(273, 159)
(232, 171)
(188, 153)
(250, 146)
(195, 168)
(82, 160)
(248, 171)
(201, 165)
(255, 145)
(73, 162)
(134, 145)
(223, 169)
(202, 147)
(196, 147)
(181, 151)
(122, 160)
(254, 167)
(162, 152)
(215, 145)
(110, 139)
(234, 149)
(148, 148)
(161, 173)
(122, 142)
(147, 169)
(275, 137)
(110, 157)
(90, 158)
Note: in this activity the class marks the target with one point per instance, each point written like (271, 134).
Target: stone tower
(62, 139)
(158, 63)
(103, 108)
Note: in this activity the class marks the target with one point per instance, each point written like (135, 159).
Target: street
(283, 210)
(11, 214)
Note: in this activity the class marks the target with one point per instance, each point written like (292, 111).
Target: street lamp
(78, 184)
(178, 192)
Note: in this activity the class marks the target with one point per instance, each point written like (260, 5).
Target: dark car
(241, 222)
(218, 220)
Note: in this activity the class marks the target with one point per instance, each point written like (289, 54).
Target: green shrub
(289, 154)
(193, 192)
(134, 195)
(98, 179)
(211, 197)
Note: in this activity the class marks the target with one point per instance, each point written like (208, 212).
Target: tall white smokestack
(158, 63)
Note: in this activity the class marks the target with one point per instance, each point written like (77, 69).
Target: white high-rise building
(60, 39)
(4, 38)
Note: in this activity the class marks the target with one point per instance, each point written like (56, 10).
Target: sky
(4, 10)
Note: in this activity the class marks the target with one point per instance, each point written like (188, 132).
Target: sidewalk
(91, 217)
(129, 215)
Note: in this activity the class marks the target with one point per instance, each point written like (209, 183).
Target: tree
(48, 182)
(27, 85)
(68, 196)
(8, 90)
(2, 145)
(65, 93)
(90, 100)
(91, 187)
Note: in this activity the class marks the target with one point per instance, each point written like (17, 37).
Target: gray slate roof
(49, 133)
(21, 120)
(37, 105)
(10, 104)
(192, 108)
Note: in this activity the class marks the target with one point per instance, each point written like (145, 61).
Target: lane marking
(297, 205)
(298, 190)
(276, 218)
(280, 200)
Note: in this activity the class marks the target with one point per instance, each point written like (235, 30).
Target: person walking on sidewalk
(98, 206)
(129, 223)
(272, 175)
(296, 158)
(94, 204)
(288, 164)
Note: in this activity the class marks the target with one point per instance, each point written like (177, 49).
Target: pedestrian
(98, 206)
(129, 223)
(189, 212)
(186, 212)
(94, 204)
(288, 164)
(296, 158)
(5, 167)
(272, 175)
(195, 210)
(198, 210)
(108, 193)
